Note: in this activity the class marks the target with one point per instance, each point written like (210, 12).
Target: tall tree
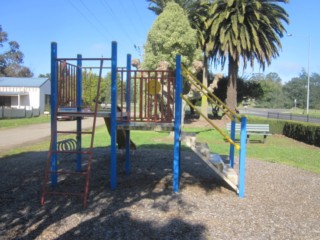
(272, 89)
(11, 60)
(246, 30)
(157, 6)
(296, 88)
(171, 34)
(197, 12)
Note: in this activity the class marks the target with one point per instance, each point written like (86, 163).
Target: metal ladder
(64, 153)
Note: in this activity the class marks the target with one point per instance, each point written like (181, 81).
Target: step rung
(76, 114)
(72, 152)
(70, 132)
(68, 173)
(64, 193)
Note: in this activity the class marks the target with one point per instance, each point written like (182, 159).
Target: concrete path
(31, 134)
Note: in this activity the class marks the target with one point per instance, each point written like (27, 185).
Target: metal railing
(293, 117)
(8, 112)
(151, 95)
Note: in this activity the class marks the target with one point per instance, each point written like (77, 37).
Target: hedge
(304, 132)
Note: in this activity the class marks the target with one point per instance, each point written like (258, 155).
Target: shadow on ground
(142, 207)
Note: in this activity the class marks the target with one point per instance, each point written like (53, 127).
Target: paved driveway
(28, 135)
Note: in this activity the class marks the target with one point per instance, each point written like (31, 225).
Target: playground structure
(140, 100)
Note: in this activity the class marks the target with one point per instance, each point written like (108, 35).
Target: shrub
(276, 126)
(304, 132)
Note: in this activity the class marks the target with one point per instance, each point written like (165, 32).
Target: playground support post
(177, 126)
(54, 95)
(113, 148)
(128, 98)
(242, 158)
(233, 137)
(79, 123)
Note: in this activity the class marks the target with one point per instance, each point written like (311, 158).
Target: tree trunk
(204, 99)
(231, 100)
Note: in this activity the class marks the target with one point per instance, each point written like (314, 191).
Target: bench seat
(253, 129)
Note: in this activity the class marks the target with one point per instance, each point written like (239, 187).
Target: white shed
(25, 93)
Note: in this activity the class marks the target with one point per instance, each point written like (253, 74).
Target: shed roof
(22, 82)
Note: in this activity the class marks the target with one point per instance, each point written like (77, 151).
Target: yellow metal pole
(212, 124)
(187, 74)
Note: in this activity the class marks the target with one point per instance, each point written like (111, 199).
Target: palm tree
(199, 20)
(246, 30)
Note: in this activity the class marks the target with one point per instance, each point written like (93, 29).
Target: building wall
(45, 89)
(34, 99)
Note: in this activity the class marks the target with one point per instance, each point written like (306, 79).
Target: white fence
(6, 112)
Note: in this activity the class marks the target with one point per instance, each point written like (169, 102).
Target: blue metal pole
(113, 163)
(177, 126)
(128, 108)
(233, 137)
(242, 158)
(79, 119)
(54, 97)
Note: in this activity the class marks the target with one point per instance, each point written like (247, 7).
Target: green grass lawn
(298, 111)
(277, 149)
(17, 122)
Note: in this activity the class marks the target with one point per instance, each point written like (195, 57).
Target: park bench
(253, 129)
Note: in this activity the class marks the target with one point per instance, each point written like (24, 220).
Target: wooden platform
(148, 126)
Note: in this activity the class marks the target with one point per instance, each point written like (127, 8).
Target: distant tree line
(268, 91)
(289, 94)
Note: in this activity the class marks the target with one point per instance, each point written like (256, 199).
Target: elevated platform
(148, 126)
(85, 113)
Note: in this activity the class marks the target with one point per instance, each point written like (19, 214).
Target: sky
(88, 28)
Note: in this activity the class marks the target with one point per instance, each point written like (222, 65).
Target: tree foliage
(171, 34)
(272, 88)
(90, 86)
(157, 6)
(247, 30)
(278, 95)
(296, 88)
(47, 75)
(11, 59)
(247, 89)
